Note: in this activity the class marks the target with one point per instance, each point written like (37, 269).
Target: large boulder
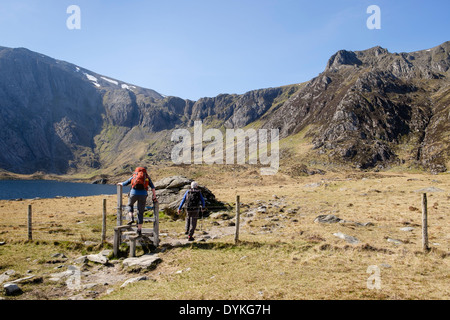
(170, 192)
(12, 289)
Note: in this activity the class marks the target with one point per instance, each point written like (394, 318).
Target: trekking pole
(201, 219)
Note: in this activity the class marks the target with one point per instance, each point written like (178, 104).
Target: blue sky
(201, 48)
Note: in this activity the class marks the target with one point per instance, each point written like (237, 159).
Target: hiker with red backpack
(193, 198)
(140, 182)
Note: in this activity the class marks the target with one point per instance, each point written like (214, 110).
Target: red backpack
(140, 180)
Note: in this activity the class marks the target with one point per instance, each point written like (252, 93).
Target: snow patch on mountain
(111, 81)
(93, 79)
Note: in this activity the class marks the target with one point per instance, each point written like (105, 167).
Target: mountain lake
(30, 189)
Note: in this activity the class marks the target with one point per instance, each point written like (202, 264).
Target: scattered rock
(356, 224)
(88, 286)
(395, 241)
(367, 224)
(12, 289)
(57, 258)
(81, 260)
(345, 237)
(106, 253)
(109, 291)
(132, 280)
(248, 214)
(56, 277)
(4, 277)
(261, 209)
(181, 271)
(97, 258)
(29, 279)
(328, 218)
(145, 262)
(407, 229)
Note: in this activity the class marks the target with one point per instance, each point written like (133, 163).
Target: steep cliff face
(57, 117)
(367, 108)
(51, 111)
(236, 111)
(48, 117)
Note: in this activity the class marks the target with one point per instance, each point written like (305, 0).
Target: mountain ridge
(367, 108)
(376, 96)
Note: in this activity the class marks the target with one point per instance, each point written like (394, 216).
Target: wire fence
(87, 220)
(37, 222)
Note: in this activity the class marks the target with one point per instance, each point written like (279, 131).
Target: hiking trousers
(141, 201)
(191, 221)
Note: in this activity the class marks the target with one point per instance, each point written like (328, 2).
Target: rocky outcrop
(147, 261)
(170, 192)
(341, 58)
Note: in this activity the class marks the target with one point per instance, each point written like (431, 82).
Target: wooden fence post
(236, 236)
(104, 222)
(425, 223)
(119, 204)
(156, 223)
(30, 223)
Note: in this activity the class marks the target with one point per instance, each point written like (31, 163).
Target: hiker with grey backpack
(193, 198)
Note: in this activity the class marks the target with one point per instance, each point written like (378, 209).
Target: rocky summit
(367, 109)
(374, 107)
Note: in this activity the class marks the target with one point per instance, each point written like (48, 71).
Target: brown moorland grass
(283, 254)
